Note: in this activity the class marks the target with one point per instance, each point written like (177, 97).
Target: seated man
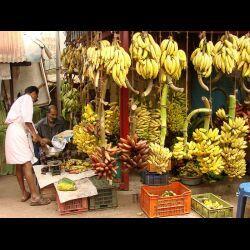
(51, 125)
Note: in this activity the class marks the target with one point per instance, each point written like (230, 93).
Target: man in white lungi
(18, 143)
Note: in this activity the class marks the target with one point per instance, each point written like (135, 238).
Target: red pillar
(124, 113)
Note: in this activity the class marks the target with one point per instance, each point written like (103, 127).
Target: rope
(210, 79)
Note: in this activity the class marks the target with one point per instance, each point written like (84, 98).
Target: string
(186, 84)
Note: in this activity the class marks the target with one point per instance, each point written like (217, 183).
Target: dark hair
(52, 107)
(31, 89)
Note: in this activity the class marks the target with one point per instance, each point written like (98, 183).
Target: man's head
(52, 113)
(33, 91)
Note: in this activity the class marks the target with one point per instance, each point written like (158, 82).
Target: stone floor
(10, 207)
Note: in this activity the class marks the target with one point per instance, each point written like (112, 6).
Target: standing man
(18, 143)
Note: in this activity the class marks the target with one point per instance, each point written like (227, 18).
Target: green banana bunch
(173, 60)
(112, 119)
(159, 157)
(226, 54)
(233, 144)
(142, 122)
(154, 128)
(146, 52)
(244, 55)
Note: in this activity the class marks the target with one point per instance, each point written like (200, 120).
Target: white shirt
(21, 111)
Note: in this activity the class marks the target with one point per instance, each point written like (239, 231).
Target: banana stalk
(172, 86)
(203, 85)
(189, 117)
(149, 88)
(207, 115)
(130, 87)
(164, 114)
(232, 107)
(244, 86)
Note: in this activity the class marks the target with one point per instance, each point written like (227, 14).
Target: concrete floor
(11, 207)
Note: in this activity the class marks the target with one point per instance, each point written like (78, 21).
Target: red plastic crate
(156, 206)
(72, 207)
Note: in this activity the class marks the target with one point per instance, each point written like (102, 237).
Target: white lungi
(18, 143)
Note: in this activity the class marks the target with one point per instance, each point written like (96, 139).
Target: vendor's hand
(44, 142)
(35, 138)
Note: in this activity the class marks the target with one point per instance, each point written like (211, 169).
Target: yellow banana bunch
(154, 129)
(89, 116)
(159, 157)
(182, 151)
(112, 119)
(84, 140)
(244, 55)
(221, 114)
(172, 61)
(202, 58)
(226, 55)
(142, 122)
(233, 144)
(146, 52)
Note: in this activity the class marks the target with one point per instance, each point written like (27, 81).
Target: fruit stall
(171, 107)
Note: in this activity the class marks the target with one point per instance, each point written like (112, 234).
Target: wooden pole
(58, 72)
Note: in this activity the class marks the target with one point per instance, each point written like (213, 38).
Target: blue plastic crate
(154, 179)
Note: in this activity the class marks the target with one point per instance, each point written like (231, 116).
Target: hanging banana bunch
(202, 59)
(172, 62)
(112, 119)
(154, 128)
(244, 57)
(146, 52)
(116, 63)
(226, 54)
(89, 116)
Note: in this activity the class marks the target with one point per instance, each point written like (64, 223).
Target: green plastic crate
(106, 197)
(202, 210)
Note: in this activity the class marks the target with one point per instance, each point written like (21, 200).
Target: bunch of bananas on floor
(208, 150)
(134, 153)
(233, 144)
(202, 58)
(112, 119)
(70, 99)
(89, 116)
(173, 60)
(191, 169)
(146, 52)
(154, 128)
(104, 162)
(84, 140)
(116, 62)
(142, 122)
(226, 55)
(159, 157)
(244, 57)
(182, 151)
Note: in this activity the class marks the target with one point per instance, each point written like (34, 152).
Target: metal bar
(11, 86)
(124, 114)
(58, 80)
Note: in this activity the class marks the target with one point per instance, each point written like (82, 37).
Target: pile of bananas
(143, 121)
(134, 152)
(244, 57)
(212, 205)
(104, 163)
(176, 115)
(168, 194)
(116, 62)
(84, 140)
(208, 150)
(112, 119)
(226, 55)
(146, 53)
(70, 99)
(89, 116)
(75, 166)
(159, 157)
(154, 128)
(233, 144)
(173, 60)
(202, 58)
(191, 169)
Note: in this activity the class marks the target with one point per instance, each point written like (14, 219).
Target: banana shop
(169, 107)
